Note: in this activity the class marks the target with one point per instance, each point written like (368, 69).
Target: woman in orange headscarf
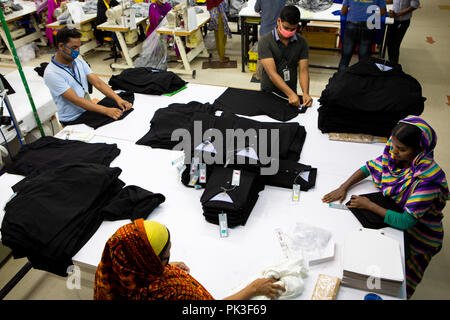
(135, 266)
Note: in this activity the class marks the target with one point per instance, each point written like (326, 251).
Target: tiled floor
(427, 62)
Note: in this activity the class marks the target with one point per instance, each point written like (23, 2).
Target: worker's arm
(259, 287)
(88, 105)
(277, 80)
(107, 91)
(344, 10)
(393, 14)
(303, 76)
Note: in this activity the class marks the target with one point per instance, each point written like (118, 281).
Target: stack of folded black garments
(369, 97)
(50, 152)
(54, 214)
(96, 120)
(291, 173)
(147, 81)
(235, 201)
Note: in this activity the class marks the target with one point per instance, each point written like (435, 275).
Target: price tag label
(223, 224)
(236, 178)
(296, 192)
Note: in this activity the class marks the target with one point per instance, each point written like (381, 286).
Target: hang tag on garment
(177, 160)
(223, 224)
(194, 165)
(296, 192)
(286, 75)
(202, 169)
(87, 96)
(236, 178)
(338, 206)
(283, 243)
(193, 180)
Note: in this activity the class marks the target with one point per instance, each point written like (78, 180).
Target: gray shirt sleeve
(264, 48)
(304, 51)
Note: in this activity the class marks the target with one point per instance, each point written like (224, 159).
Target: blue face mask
(73, 53)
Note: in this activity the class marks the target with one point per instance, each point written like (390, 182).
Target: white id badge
(286, 75)
(87, 96)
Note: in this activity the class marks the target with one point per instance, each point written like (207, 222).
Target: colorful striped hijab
(400, 183)
(130, 269)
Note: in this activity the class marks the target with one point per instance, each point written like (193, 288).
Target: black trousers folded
(50, 152)
(371, 220)
(96, 120)
(237, 202)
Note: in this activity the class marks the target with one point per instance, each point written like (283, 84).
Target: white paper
(224, 197)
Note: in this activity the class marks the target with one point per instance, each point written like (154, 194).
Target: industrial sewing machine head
(122, 15)
(178, 16)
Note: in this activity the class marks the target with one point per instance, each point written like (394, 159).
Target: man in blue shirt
(67, 77)
(270, 11)
(360, 27)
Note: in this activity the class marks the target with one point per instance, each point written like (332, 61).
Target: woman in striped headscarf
(407, 172)
(135, 266)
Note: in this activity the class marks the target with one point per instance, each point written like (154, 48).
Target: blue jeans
(356, 34)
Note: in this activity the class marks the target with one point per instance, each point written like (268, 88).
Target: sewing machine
(178, 17)
(125, 16)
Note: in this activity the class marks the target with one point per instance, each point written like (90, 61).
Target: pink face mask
(285, 33)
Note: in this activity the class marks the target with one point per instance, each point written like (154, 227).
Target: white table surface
(224, 264)
(20, 103)
(28, 7)
(325, 15)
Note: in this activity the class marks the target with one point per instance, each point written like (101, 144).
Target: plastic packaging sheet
(309, 241)
(154, 51)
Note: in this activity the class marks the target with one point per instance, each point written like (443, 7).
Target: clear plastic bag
(310, 241)
(154, 51)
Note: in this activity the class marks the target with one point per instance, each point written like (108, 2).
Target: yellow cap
(157, 235)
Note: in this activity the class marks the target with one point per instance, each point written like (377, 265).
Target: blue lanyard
(73, 75)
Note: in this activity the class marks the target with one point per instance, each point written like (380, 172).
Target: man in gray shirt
(283, 53)
(402, 13)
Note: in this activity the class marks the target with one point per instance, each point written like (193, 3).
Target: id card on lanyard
(286, 73)
(86, 94)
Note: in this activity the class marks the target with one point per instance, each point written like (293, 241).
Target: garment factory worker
(135, 266)
(156, 13)
(219, 24)
(270, 11)
(67, 77)
(284, 53)
(407, 173)
(402, 13)
(359, 28)
(52, 5)
(102, 7)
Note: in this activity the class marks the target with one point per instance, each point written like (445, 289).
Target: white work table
(29, 8)
(224, 264)
(20, 103)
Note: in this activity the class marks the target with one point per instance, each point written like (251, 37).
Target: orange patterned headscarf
(130, 269)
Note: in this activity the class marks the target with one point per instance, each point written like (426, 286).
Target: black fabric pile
(371, 220)
(50, 152)
(147, 80)
(364, 99)
(96, 120)
(54, 214)
(166, 120)
(255, 103)
(236, 201)
(290, 173)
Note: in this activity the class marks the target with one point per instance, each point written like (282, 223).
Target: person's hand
(112, 112)
(392, 14)
(307, 100)
(181, 265)
(267, 287)
(338, 194)
(125, 105)
(294, 100)
(359, 202)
